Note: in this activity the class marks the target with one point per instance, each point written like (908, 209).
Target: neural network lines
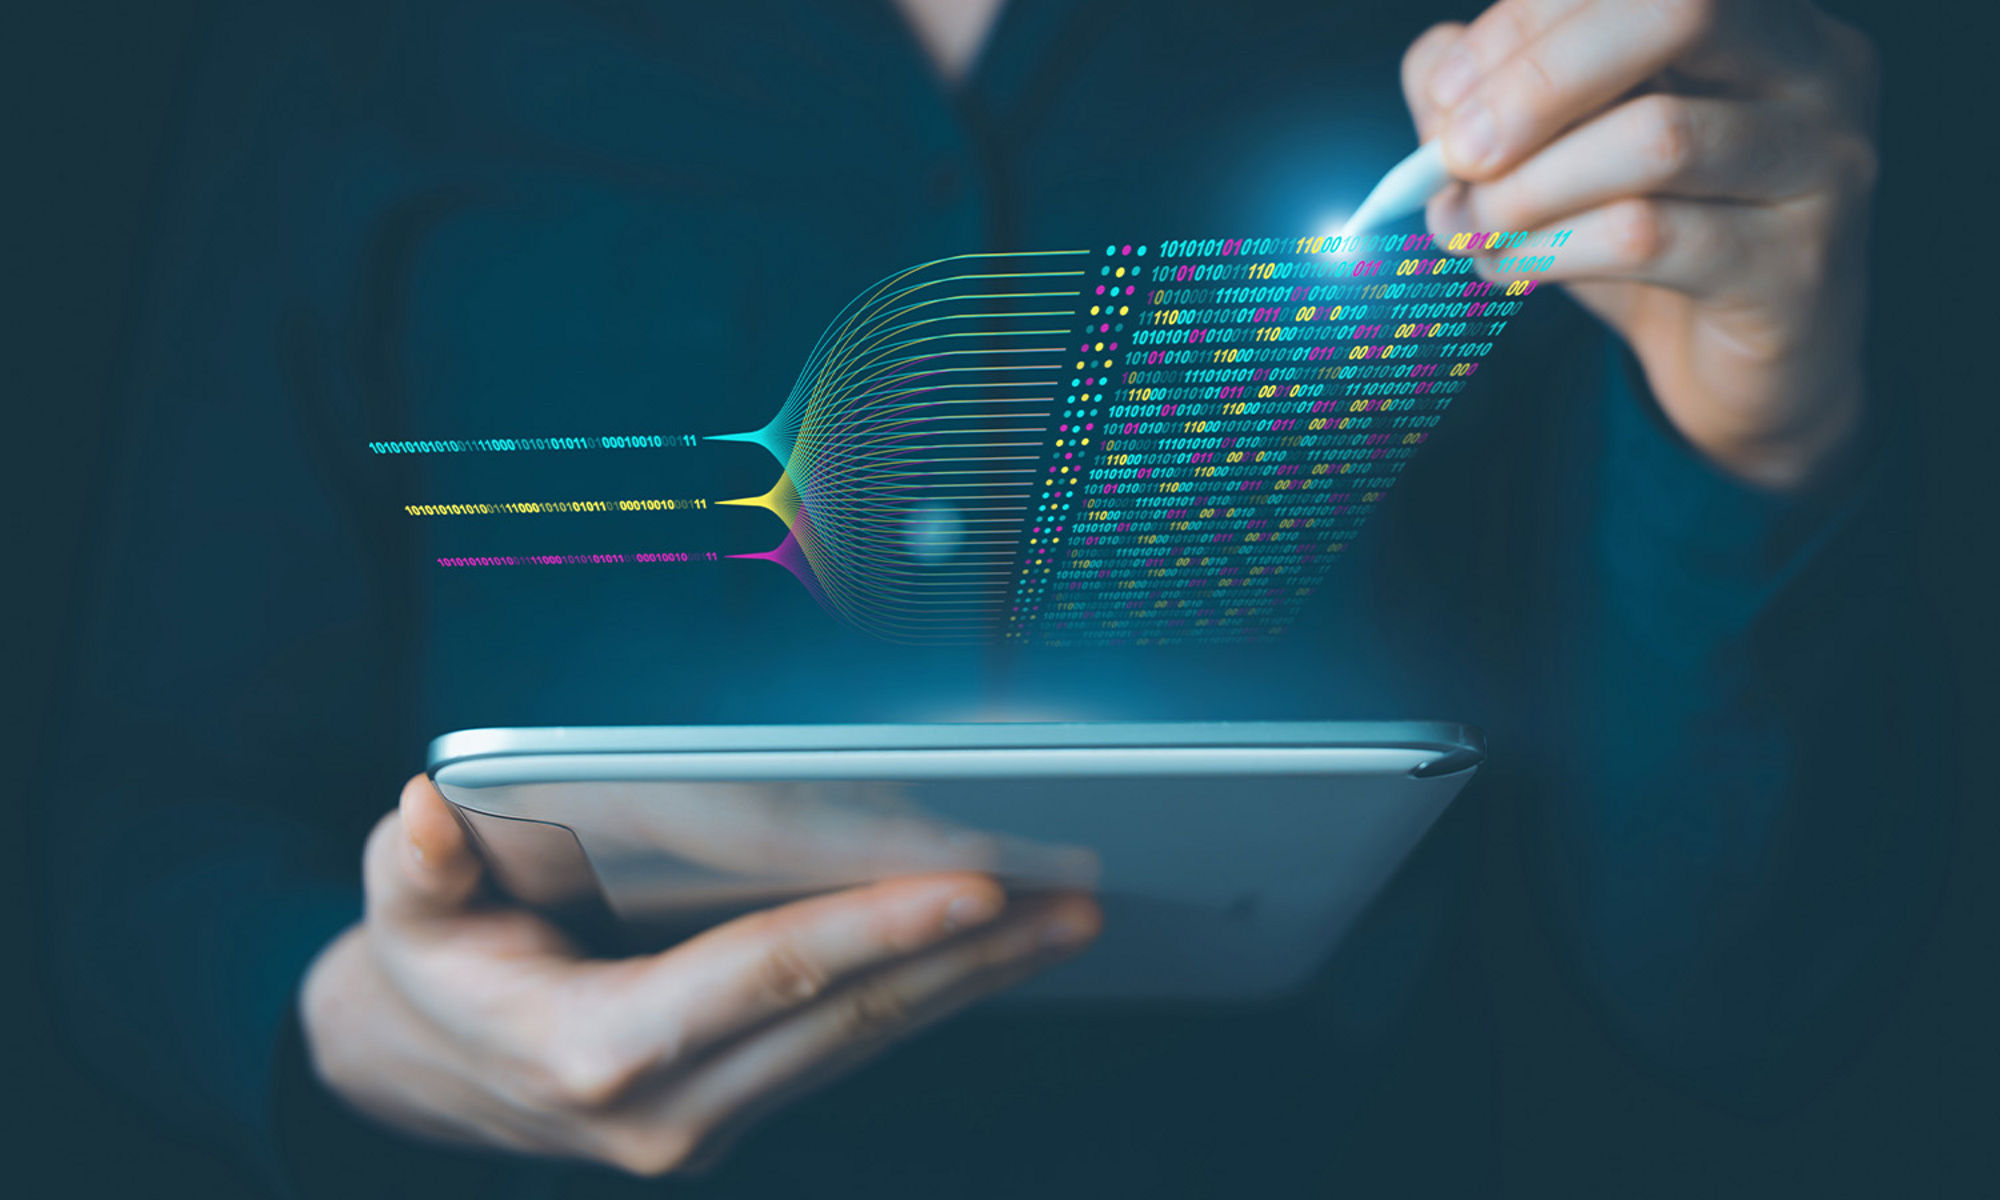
(910, 445)
(1144, 444)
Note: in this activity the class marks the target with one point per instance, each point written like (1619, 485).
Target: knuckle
(589, 1083)
(1686, 21)
(789, 972)
(1521, 97)
(1638, 232)
(873, 1012)
(1527, 76)
(580, 1075)
(1667, 134)
(1513, 25)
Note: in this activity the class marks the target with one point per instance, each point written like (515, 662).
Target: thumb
(1420, 62)
(419, 862)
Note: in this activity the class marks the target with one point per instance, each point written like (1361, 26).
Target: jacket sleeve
(1738, 813)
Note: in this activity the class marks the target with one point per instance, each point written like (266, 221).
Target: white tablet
(1230, 858)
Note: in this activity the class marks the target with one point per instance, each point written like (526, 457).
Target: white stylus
(1407, 187)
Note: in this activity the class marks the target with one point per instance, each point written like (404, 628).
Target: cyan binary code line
(631, 441)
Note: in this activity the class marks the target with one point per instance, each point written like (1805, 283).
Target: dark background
(91, 102)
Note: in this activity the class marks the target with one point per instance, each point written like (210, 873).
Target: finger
(1420, 65)
(1658, 144)
(1495, 36)
(418, 862)
(1577, 66)
(815, 1046)
(1691, 246)
(738, 976)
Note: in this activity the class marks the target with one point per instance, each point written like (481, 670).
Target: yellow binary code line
(528, 507)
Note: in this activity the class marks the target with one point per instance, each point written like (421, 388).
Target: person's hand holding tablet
(447, 1016)
(1714, 162)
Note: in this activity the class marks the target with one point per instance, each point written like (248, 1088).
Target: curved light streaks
(910, 445)
(1144, 445)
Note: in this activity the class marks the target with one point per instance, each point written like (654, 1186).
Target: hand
(450, 1017)
(1714, 160)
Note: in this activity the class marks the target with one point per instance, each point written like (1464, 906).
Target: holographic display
(1136, 444)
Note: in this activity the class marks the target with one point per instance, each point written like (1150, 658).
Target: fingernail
(972, 908)
(1472, 135)
(1453, 78)
(1068, 930)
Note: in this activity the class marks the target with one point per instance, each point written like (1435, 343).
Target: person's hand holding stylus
(1714, 162)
